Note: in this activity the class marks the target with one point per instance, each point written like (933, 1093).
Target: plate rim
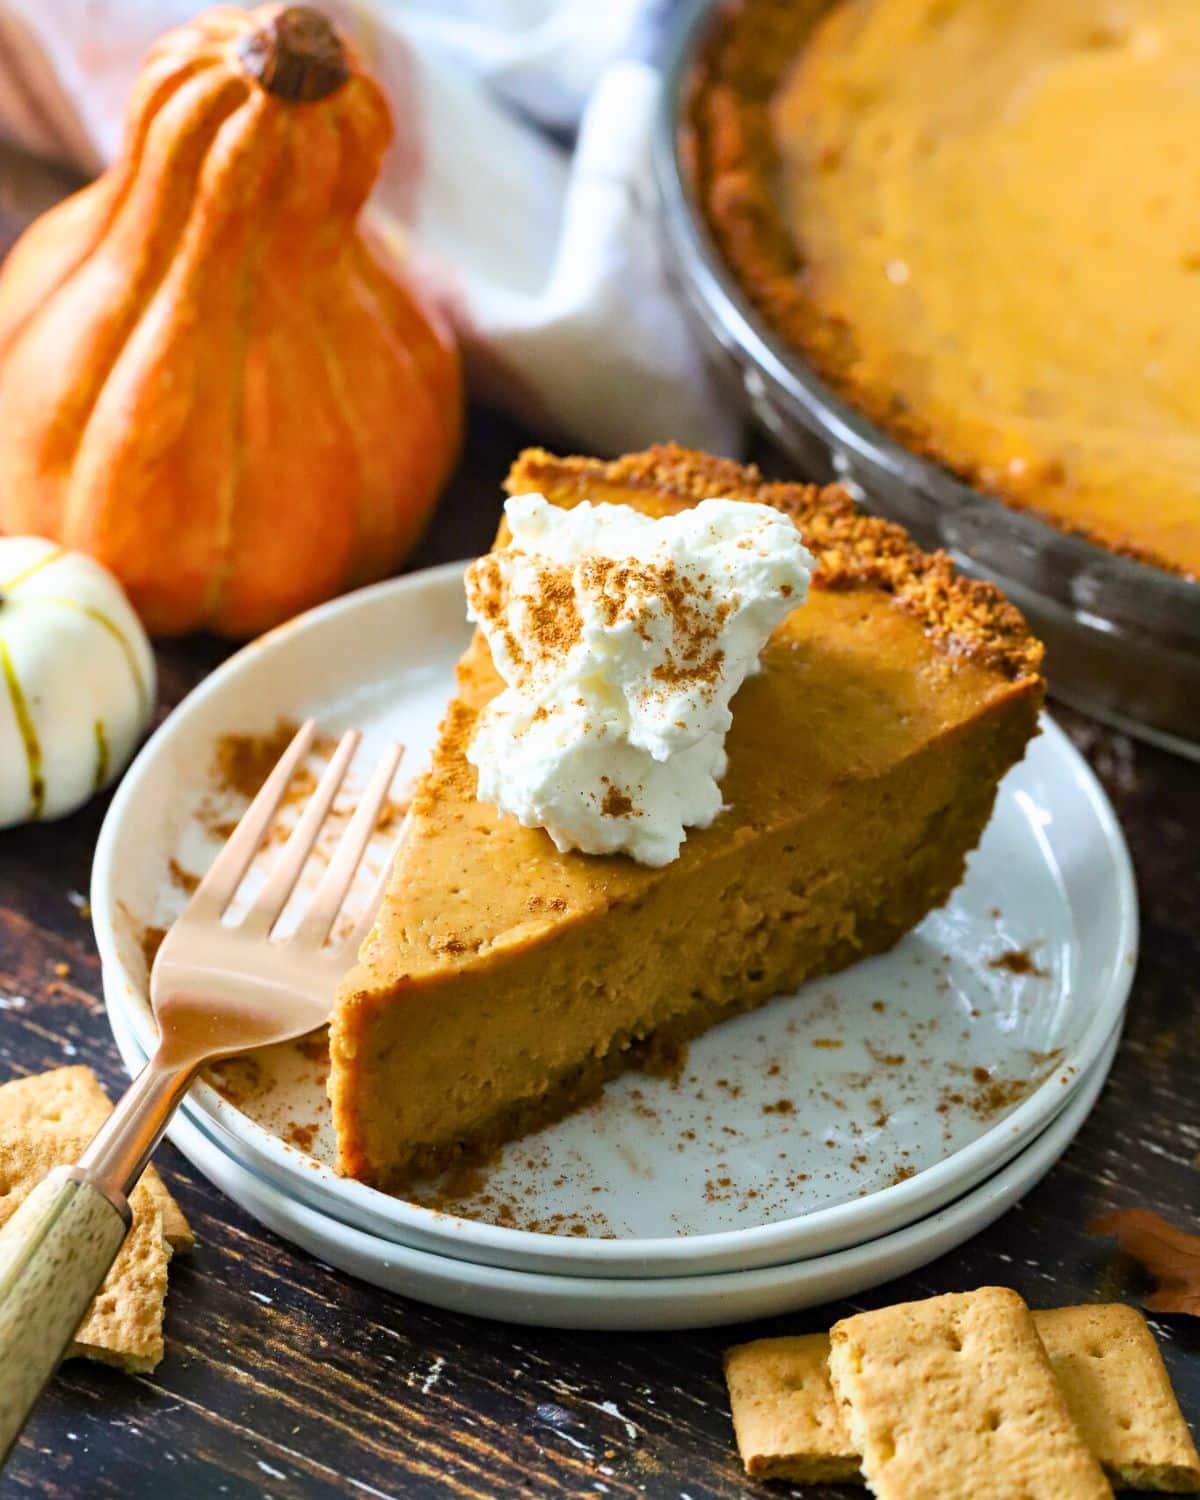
(622, 1257)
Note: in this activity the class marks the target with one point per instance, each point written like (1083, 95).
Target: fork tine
(215, 891)
(327, 899)
(273, 897)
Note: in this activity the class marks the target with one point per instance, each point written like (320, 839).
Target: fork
(217, 988)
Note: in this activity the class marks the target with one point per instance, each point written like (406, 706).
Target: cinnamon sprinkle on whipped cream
(622, 640)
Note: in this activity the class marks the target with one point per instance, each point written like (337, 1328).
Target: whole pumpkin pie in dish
(970, 217)
(505, 980)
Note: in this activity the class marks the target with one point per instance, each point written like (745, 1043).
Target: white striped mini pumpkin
(77, 682)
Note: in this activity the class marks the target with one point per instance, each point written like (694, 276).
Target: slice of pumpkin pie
(510, 973)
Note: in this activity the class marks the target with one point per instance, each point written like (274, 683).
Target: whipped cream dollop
(622, 640)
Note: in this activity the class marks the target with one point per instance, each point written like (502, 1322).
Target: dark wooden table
(284, 1377)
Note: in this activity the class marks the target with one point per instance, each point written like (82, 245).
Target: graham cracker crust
(853, 550)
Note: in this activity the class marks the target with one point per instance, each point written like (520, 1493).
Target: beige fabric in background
(519, 181)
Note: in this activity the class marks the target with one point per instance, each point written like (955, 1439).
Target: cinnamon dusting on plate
(315, 1046)
(242, 762)
(183, 880)
(237, 1079)
(1018, 961)
(990, 1096)
(150, 940)
(300, 1136)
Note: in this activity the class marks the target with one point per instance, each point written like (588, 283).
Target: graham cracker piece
(788, 1423)
(1119, 1393)
(954, 1398)
(787, 1420)
(123, 1325)
(73, 1101)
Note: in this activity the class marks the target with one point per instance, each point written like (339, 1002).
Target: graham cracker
(954, 1398)
(73, 1101)
(123, 1325)
(1119, 1393)
(788, 1424)
(787, 1421)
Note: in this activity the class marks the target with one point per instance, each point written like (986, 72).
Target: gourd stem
(296, 55)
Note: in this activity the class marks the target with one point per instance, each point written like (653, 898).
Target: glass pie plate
(1122, 637)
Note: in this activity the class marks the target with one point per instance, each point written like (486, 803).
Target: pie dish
(962, 219)
(505, 981)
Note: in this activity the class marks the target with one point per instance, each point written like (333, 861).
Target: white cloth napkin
(519, 181)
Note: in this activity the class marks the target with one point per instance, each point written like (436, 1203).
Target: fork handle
(57, 1248)
(55, 1252)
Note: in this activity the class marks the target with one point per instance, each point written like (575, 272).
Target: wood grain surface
(284, 1377)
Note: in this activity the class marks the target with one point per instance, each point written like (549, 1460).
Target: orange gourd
(207, 379)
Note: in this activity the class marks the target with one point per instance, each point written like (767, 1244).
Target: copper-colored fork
(217, 988)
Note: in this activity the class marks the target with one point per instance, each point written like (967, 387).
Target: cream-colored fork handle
(54, 1253)
(57, 1248)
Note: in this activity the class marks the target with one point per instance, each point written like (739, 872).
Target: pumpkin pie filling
(974, 219)
(505, 980)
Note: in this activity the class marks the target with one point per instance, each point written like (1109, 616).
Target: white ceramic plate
(592, 1302)
(860, 1105)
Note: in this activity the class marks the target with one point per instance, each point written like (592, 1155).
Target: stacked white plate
(828, 1142)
